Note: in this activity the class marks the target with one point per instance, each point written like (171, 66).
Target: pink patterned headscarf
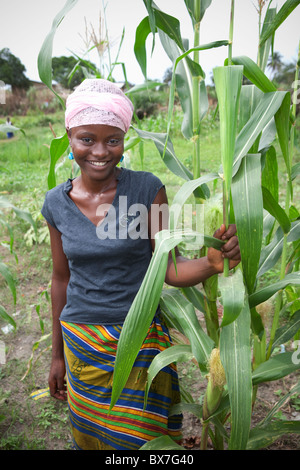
(98, 101)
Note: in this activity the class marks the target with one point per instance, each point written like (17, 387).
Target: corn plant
(5, 272)
(233, 353)
(7, 205)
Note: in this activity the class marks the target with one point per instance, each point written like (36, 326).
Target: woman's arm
(60, 279)
(193, 271)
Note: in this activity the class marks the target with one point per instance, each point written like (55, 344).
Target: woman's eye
(86, 140)
(113, 141)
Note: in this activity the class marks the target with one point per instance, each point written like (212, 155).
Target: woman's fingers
(231, 248)
(220, 232)
(58, 389)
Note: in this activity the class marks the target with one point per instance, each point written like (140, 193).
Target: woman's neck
(95, 187)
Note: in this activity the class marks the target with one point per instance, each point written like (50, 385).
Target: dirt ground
(268, 394)
(42, 424)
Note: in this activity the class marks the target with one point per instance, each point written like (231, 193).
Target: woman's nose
(99, 149)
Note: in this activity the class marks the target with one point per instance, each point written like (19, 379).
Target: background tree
(12, 71)
(167, 78)
(286, 74)
(275, 63)
(69, 71)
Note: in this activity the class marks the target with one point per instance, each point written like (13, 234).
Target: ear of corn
(215, 386)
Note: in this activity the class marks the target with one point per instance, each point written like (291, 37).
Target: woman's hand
(57, 383)
(230, 249)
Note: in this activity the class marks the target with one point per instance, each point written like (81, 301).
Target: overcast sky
(25, 24)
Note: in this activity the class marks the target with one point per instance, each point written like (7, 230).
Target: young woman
(101, 252)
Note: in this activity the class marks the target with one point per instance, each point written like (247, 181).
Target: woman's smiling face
(97, 149)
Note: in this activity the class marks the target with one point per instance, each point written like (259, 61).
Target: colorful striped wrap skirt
(90, 352)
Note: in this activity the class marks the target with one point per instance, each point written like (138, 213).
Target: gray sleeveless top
(107, 263)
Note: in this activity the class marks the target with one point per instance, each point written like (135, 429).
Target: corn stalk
(5, 272)
(247, 132)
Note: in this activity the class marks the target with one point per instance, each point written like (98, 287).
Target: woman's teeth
(99, 163)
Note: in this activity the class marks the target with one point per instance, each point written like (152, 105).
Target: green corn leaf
(195, 297)
(232, 291)
(170, 159)
(81, 62)
(157, 19)
(24, 215)
(7, 318)
(268, 223)
(283, 131)
(149, 7)
(169, 24)
(5, 272)
(183, 317)
(284, 12)
(269, 177)
(187, 408)
(174, 164)
(5, 203)
(197, 14)
(294, 234)
(147, 85)
(45, 54)
(184, 193)
(228, 82)
(264, 47)
(249, 99)
(267, 136)
(182, 76)
(145, 304)
(248, 210)
(184, 69)
(185, 394)
(256, 323)
(235, 353)
(263, 436)
(272, 252)
(177, 353)
(266, 109)
(57, 147)
(287, 331)
(130, 143)
(161, 443)
(253, 72)
(275, 368)
(276, 210)
(265, 293)
(141, 34)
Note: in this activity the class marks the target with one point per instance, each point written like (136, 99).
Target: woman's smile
(98, 164)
